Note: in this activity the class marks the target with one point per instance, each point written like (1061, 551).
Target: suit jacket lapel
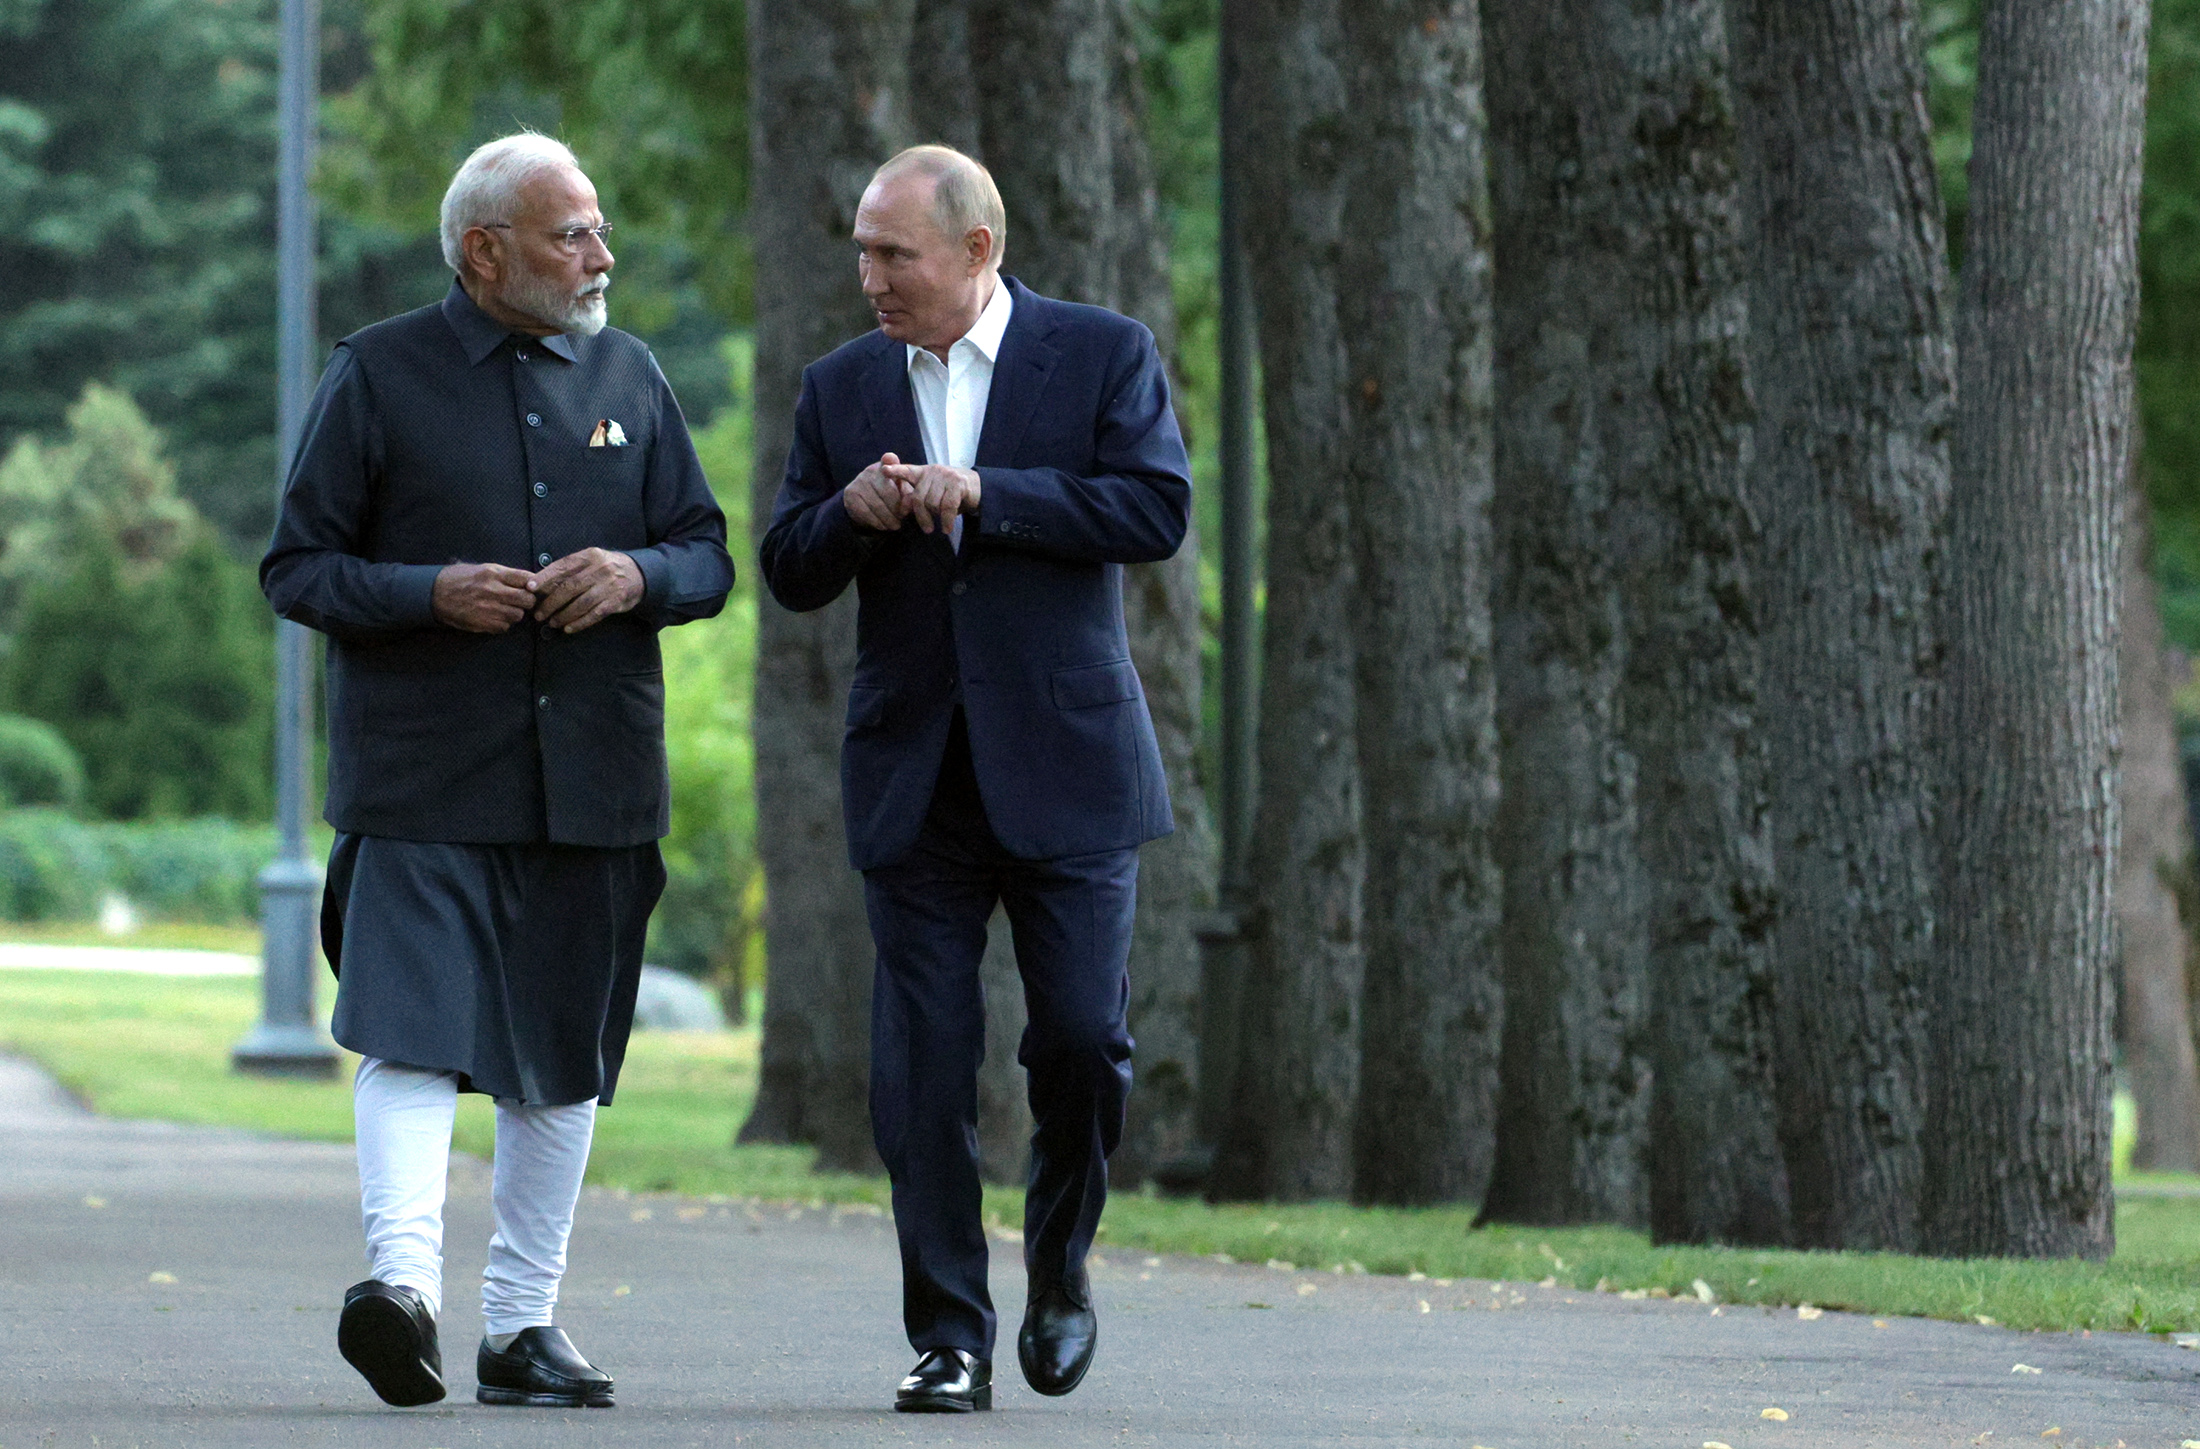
(1020, 376)
(889, 405)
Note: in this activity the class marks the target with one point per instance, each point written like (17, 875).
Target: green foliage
(54, 867)
(37, 767)
(159, 681)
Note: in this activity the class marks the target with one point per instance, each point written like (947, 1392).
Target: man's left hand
(585, 588)
(935, 492)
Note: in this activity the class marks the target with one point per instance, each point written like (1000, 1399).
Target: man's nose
(598, 259)
(873, 286)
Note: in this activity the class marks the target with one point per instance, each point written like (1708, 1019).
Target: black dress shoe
(1059, 1335)
(542, 1370)
(387, 1333)
(946, 1381)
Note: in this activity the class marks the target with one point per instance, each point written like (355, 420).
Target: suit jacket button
(534, 420)
(542, 701)
(542, 490)
(959, 586)
(542, 560)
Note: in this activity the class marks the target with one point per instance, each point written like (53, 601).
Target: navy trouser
(1071, 921)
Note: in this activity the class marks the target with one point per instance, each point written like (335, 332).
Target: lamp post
(1223, 971)
(288, 1041)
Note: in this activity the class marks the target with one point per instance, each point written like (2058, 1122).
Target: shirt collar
(481, 334)
(986, 333)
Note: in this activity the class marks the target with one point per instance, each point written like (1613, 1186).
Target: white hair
(487, 187)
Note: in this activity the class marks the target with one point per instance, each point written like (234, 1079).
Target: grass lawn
(139, 1046)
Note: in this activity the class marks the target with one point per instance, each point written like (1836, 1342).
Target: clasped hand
(888, 491)
(578, 591)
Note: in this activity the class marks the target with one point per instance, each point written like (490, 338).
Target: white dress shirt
(951, 395)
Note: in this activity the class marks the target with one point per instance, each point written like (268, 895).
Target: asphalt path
(163, 1286)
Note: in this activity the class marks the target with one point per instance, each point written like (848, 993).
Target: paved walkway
(164, 1286)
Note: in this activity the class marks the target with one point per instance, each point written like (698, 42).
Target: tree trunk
(2017, 1144)
(1854, 373)
(1061, 110)
(1575, 1076)
(1678, 443)
(1415, 315)
(2155, 1018)
(828, 93)
(1288, 1133)
(941, 86)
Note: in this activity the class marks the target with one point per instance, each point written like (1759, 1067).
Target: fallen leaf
(2186, 1340)
(1879, 1323)
(2025, 1368)
(622, 1290)
(95, 1202)
(1260, 1305)
(1704, 1293)
(1715, 1444)
(690, 1214)
(1153, 1262)
(1716, 1310)
(1424, 1305)
(1307, 1288)
(1417, 1276)
(1983, 1437)
(643, 1215)
(1282, 1266)
(1634, 1293)
(160, 1277)
(1778, 1416)
(1809, 1314)
(2054, 1433)
(1443, 1282)
(1989, 1322)
(1548, 1283)
(1661, 1293)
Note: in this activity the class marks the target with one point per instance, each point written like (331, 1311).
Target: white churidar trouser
(403, 1116)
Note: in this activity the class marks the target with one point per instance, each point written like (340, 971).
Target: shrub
(52, 867)
(37, 766)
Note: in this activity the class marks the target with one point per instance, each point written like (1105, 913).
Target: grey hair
(486, 188)
(964, 197)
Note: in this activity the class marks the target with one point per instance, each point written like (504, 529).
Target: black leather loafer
(946, 1381)
(1056, 1343)
(540, 1370)
(387, 1333)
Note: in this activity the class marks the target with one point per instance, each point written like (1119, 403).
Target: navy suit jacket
(1082, 470)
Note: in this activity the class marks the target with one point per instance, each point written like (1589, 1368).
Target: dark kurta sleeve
(686, 571)
(813, 549)
(314, 573)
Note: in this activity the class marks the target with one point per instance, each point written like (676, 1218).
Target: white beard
(582, 313)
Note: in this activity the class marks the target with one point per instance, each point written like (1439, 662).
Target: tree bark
(1679, 444)
(828, 101)
(1060, 118)
(2154, 1020)
(1288, 1133)
(1571, 1121)
(2017, 1145)
(1854, 372)
(1415, 315)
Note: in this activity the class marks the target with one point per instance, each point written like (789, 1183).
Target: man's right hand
(482, 598)
(873, 500)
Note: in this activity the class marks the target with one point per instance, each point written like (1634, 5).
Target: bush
(54, 867)
(37, 767)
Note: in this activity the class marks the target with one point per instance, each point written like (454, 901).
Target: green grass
(159, 935)
(137, 1046)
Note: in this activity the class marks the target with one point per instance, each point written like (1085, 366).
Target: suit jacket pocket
(1095, 684)
(866, 706)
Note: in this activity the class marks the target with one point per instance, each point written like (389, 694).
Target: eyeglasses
(570, 238)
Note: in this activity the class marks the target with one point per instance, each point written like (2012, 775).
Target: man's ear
(479, 247)
(978, 248)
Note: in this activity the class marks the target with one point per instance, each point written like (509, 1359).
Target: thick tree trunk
(1061, 114)
(2155, 1017)
(828, 94)
(1288, 1133)
(1854, 372)
(2017, 1144)
(1415, 314)
(1575, 1076)
(1680, 417)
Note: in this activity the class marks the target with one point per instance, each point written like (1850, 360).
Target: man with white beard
(494, 509)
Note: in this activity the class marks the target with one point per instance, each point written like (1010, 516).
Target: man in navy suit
(982, 466)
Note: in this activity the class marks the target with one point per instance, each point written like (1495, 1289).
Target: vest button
(542, 490)
(534, 420)
(959, 586)
(542, 702)
(542, 560)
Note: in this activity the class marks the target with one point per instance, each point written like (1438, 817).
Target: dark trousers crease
(1071, 923)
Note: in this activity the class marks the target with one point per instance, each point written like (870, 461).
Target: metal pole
(288, 1040)
(1224, 967)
